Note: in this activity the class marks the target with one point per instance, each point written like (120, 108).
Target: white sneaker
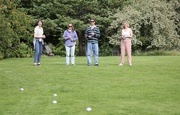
(130, 64)
(120, 64)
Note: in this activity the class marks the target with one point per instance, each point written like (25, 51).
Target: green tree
(14, 27)
(57, 13)
(153, 24)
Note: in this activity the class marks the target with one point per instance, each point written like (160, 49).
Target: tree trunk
(82, 44)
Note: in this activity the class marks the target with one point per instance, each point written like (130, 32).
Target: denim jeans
(92, 47)
(38, 51)
(70, 51)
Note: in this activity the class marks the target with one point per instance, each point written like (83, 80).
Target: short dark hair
(39, 21)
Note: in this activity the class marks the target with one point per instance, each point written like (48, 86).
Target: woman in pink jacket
(126, 35)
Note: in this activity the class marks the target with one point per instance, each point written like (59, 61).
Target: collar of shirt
(39, 27)
(69, 30)
(92, 26)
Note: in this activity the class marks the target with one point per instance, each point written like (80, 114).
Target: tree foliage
(58, 13)
(153, 24)
(15, 28)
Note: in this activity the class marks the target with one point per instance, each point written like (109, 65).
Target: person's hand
(89, 36)
(69, 37)
(72, 40)
(123, 37)
(43, 36)
(92, 33)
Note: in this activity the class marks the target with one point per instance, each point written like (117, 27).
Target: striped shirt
(93, 38)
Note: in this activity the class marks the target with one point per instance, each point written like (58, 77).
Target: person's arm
(38, 37)
(87, 34)
(131, 33)
(97, 34)
(65, 36)
(122, 37)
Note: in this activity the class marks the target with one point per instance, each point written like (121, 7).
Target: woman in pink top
(126, 36)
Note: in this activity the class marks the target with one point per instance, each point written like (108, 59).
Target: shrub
(23, 51)
(1, 56)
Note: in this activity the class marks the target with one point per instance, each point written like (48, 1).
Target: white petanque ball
(21, 89)
(54, 102)
(88, 109)
(54, 94)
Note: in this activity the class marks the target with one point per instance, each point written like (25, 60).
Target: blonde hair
(125, 22)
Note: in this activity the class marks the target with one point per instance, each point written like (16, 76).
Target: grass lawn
(150, 87)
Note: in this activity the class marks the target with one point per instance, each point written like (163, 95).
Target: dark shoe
(39, 64)
(96, 65)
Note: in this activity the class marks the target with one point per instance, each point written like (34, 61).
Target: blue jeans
(38, 51)
(92, 47)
